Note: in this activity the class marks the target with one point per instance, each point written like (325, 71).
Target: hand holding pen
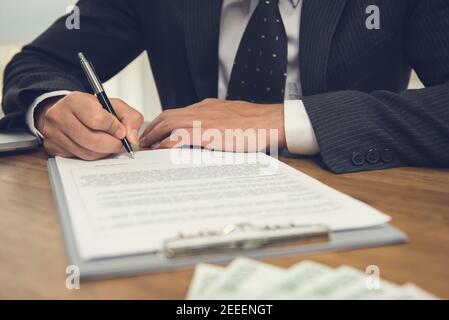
(74, 124)
(99, 92)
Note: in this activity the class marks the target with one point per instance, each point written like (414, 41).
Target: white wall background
(23, 20)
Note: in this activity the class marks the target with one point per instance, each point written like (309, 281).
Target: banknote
(246, 279)
(243, 279)
(329, 285)
(204, 277)
(412, 292)
(296, 277)
(363, 291)
(408, 291)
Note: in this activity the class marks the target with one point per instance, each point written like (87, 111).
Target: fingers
(169, 115)
(55, 150)
(77, 125)
(164, 124)
(179, 138)
(172, 119)
(93, 116)
(97, 141)
(130, 118)
(187, 137)
(235, 126)
(79, 151)
(63, 146)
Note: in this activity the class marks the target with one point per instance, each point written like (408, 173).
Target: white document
(124, 206)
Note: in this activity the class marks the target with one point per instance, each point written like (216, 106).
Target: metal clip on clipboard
(241, 237)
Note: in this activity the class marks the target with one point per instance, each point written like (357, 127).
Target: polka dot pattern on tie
(259, 71)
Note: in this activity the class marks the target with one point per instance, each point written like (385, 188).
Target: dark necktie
(260, 66)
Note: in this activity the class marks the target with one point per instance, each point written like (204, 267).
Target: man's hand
(219, 125)
(78, 126)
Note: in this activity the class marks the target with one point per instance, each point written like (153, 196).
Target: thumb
(130, 118)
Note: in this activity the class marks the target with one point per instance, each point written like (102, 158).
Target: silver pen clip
(91, 74)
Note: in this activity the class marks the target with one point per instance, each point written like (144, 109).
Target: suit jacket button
(373, 156)
(358, 158)
(387, 155)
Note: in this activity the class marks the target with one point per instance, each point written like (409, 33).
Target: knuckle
(196, 107)
(113, 124)
(165, 115)
(52, 114)
(73, 96)
(139, 117)
(209, 100)
(97, 119)
(117, 100)
(119, 105)
(68, 99)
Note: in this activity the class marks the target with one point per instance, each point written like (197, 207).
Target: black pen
(99, 92)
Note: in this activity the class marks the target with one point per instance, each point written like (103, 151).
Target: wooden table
(33, 262)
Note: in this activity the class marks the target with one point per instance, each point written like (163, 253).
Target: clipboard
(161, 261)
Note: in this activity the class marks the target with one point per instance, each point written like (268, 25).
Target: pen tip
(131, 154)
(81, 55)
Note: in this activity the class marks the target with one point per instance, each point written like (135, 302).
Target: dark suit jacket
(353, 79)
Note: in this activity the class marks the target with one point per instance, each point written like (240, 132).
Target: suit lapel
(319, 20)
(202, 27)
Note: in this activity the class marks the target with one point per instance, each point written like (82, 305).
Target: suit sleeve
(110, 37)
(359, 131)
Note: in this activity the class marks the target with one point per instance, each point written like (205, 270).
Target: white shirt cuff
(299, 132)
(36, 102)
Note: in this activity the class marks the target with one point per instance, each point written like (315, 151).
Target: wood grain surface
(33, 262)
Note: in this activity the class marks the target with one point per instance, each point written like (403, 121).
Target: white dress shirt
(235, 16)
(234, 19)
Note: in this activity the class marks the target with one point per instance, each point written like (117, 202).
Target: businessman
(331, 84)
